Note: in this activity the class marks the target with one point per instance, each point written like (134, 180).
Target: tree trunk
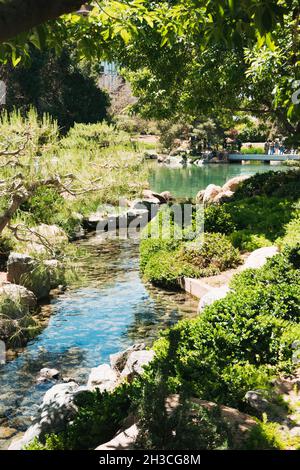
(19, 16)
(16, 201)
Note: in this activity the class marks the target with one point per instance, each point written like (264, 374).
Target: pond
(186, 182)
(105, 311)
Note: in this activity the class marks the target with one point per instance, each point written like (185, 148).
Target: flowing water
(108, 309)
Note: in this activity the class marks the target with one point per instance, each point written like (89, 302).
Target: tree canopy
(182, 56)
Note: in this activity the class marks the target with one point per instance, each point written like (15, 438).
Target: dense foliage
(238, 344)
(56, 85)
(116, 162)
(165, 261)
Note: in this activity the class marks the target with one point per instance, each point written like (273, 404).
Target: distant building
(109, 77)
(118, 89)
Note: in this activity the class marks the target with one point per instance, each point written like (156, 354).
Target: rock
(210, 193)
(235, 182)
(150, 156)
(161, 198)
(19, 295)
(295, 432)
(213, 295)
(54, 268)
(258, 258)
(122, 441)
(136, 362)
(18, 265)
(48, 374)
(57, 409)
(119, 359)
(257, 401)
(163, 159)
(25, 271)
(223, 196)
(51, 234)
(200, 196)
(7, 433)
(176, 162)
(166, 196)
(103, 378)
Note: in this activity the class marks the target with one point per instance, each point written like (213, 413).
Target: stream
(104, 311)
(107, 309)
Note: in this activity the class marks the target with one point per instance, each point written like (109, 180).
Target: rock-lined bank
(59, 407)
(30, 278)
(104, 310)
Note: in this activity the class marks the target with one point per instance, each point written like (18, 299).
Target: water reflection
(186, 182)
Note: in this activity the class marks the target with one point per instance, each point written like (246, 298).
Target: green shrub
(214, 250)
(277, 271)
(218, 219)
(279, 184)
(86, 136)
(98, 419)
(239, 342)
(265, 436)
(151, 246)
(166, 262)
(164, 269)
(47, 206)
(291, 236)
(239, 378)
(261, 215)
(187, 426)
(244, 240)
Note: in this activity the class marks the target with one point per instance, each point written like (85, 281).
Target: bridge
(239, 157)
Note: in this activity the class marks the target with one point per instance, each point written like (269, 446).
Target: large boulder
(166, 196)
(136, 362)
(258, 258)
(200, 196)
(44, 235)
(24, 270)
(46, 374)
(57, 409)
(20, 296)
(211, 193)
(234, 183)
(257, 401)
(223, 196)
(103, 378)
(214, 294)
(119, 359)
(123, 441)
(19, 265)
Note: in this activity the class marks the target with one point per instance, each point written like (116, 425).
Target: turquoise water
(186, 182)
(108, 309)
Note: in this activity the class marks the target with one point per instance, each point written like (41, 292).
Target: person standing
(272, 147)
(267, 147)
(277, 146)
(281, 148)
